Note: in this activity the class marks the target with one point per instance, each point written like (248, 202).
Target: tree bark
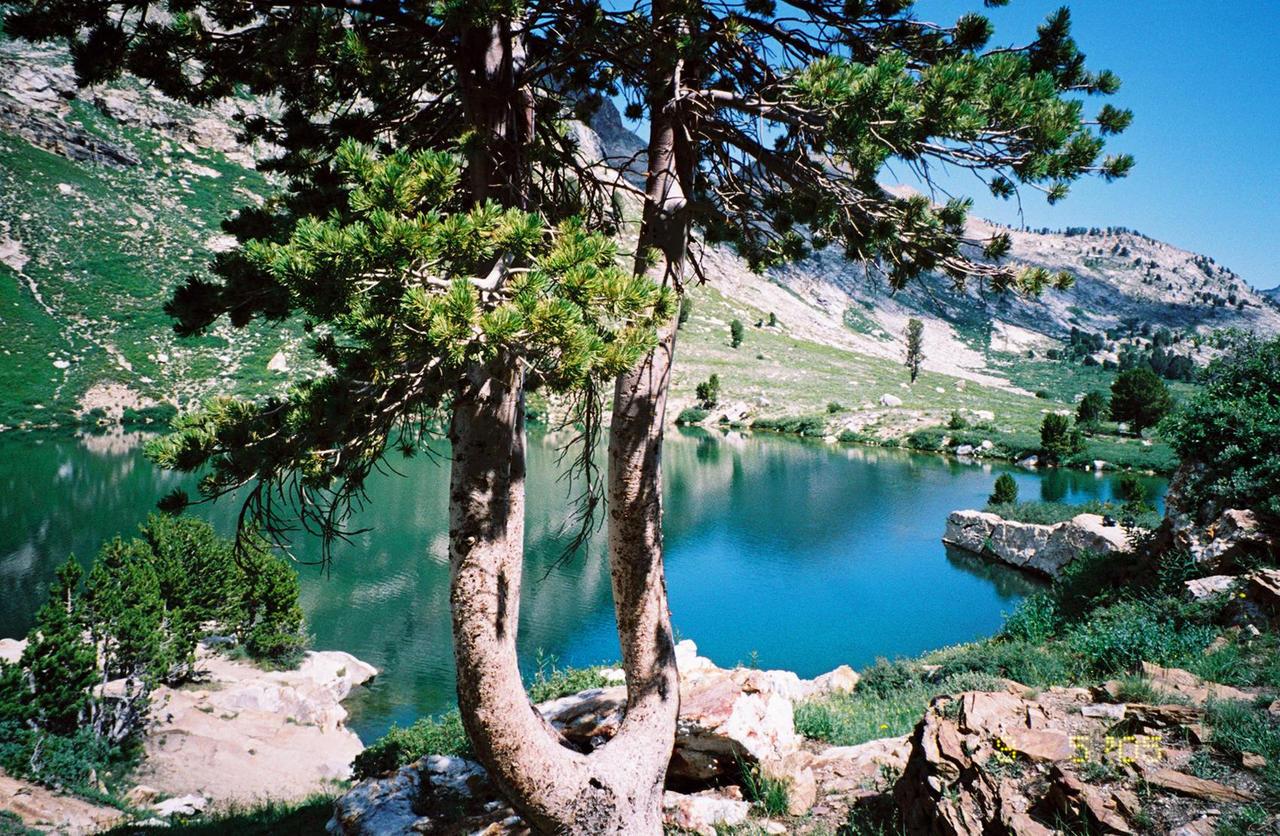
(616, 789)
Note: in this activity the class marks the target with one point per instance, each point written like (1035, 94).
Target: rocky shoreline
(1044, 550)
(237, 736)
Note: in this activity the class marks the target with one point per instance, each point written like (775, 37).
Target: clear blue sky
(1203, 81)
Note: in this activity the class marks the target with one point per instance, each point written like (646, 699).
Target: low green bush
(161, 413)
(809, 426)
(1050, 513)
(441, 735)
(691, 415)
(1118, 637)
(1240, 727)
(928, 439)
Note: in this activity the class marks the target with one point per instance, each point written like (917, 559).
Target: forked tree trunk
(616, 789)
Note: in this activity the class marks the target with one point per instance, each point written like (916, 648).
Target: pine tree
(61, 666)
(915, 354)
(1140, 398)
(735, 333)
(1005, 491)
(838, 91)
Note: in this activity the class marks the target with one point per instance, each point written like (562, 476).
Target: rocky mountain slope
(112, 195)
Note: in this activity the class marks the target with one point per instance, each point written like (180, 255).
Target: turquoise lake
(780, 552)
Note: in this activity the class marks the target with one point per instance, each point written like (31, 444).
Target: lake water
(788, 553)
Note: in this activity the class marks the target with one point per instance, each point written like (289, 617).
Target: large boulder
(1043, 549)
(729, 720)
(1026, 764)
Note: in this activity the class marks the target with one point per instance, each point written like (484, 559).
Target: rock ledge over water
(1043, 549)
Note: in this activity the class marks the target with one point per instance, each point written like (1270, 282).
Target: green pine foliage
(1005, 491)
(735, 333)
(60, 666)
(1092, 408)
(915, 352)
(1140, 397)
(134, 624)
(407, 286)
(1058, 439)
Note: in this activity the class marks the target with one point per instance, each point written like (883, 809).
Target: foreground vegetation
(134, 623)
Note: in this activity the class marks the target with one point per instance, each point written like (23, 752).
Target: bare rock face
(1043, 549)
(37, 806)
(245, 734)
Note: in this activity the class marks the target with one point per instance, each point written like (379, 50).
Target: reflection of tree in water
(1009, 583)
(59, 497)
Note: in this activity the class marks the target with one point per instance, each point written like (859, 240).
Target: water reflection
(809, 555)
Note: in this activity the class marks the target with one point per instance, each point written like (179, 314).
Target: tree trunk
(616, 789)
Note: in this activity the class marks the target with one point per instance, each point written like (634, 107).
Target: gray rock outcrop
(1043, 549)
(729, 720)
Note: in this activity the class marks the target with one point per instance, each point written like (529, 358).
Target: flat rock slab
(36, 805)
(246, 735)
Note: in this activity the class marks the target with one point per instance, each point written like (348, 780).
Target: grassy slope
(799, 377)
(105, 247)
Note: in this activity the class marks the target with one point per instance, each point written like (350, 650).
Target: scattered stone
(964, 450)
(141, 795)
(842, 680)
(1252, 760)
(701, 812)
(1201, 788)
(1264, 587)
(1030, 462)
(1104, 710)
(421, 798)
(186, 805)
(1202, 588)
(1203, 826)
(1070, 797)
(1182, 683)
(890, 400)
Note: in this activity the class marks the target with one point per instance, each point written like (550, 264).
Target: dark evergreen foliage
(1232, 432)
(1005, 491)
(1140, 398)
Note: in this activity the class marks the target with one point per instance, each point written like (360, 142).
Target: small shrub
(708, 392)
(928, 439)
(1042, 394)
(957, 421)
(809, 426)
(686, 308)
(442, 735)
(834, 406)
(1004, 492)
(1035, 620)
(735, 333)
(691, 415)
(551, 682)
(1118, 637)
